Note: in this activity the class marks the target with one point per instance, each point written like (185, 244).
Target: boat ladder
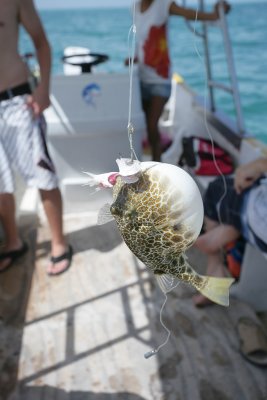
(232, 88)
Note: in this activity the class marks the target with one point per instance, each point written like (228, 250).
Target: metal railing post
(231, 69)
(207, 61)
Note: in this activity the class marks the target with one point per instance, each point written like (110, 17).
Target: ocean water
(106, 31)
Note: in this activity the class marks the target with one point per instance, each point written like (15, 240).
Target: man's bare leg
(153, 112)
(216, 238)
(8, 219)
(211, 243)
(52, 203)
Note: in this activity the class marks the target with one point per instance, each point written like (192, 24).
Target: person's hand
(226, 7)
(39, 100)
(246, 175)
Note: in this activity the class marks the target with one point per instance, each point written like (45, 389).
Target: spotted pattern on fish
(149, 216)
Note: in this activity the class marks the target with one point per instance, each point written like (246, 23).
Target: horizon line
(121, 6)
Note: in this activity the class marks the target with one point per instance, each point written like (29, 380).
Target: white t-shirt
(152, 42)
(257, 210)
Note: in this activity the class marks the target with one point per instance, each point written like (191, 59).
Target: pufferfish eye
(115, 210)
(131, 214)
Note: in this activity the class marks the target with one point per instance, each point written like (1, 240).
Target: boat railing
(212, 84)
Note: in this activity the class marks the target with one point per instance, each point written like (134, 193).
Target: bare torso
(145, 4)
(13, 70)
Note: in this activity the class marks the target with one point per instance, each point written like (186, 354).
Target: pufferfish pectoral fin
(104, 215)
(166, 282)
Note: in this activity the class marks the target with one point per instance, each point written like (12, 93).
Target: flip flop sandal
(13, 255)
(65, 256)
(253, 341)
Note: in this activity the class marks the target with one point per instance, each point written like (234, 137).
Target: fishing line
(130, 134)
(165, 292)
(131, 51)
(206, 124)
(130, 128)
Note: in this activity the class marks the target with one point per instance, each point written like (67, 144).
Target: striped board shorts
(23, 147)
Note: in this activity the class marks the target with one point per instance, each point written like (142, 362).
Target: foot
(5, 263)
(60, 262)
(10, 254)
(216, 270)
(201, 301)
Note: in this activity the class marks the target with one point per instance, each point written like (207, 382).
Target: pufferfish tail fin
(217, 289)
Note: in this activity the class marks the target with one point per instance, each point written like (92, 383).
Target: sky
(48, 4)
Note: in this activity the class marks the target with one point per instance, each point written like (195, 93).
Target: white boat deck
(83, 335)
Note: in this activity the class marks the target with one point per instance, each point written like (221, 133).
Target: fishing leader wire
(130, 129)
(166, 287)
(131, 56)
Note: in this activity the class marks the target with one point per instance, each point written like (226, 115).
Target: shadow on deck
(15, 285)
(83, 335)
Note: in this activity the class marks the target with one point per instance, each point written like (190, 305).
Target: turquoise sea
(106, 31)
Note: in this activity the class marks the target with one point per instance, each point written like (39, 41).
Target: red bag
(205, 158)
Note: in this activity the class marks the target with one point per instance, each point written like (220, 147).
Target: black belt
(19, 90)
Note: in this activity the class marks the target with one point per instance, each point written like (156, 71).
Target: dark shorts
(223, 204)
(149, 90)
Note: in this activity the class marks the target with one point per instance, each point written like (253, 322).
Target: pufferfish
(159, 212)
